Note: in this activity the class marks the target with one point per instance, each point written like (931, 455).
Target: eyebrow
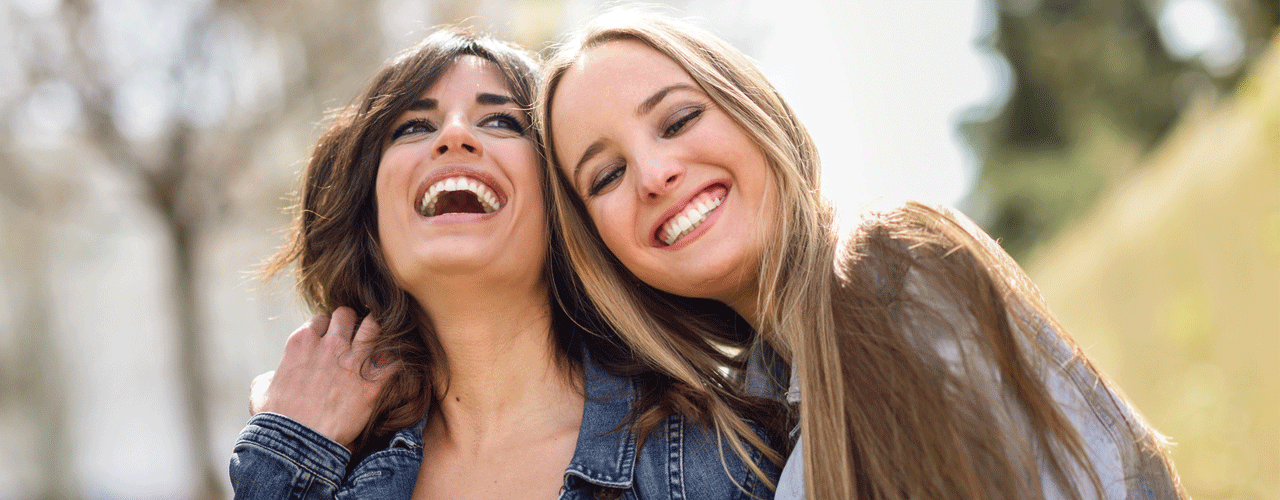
(423, 105)
(644, 108)
(493, 99)
(653, 100)
(484, 98)
(594, 149)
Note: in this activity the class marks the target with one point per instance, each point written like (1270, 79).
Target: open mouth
(459, 195)
(692, 216)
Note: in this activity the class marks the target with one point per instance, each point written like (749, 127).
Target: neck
(749, 310)
(746, 302)
(504, 374)
(748, 306)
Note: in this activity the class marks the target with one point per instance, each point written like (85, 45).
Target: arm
(1000, 338)
(276, 457)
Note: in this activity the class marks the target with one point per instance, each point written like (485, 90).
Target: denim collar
(411, 437)
(767, 374)
(605, 454)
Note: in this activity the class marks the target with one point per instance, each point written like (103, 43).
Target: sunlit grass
(1172, 286)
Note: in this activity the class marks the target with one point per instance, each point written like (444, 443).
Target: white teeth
(488, 199)
(685, 222)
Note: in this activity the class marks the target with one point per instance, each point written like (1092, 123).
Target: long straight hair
(673, 332)
(878, 416)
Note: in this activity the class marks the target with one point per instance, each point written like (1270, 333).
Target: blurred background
(1127, 152)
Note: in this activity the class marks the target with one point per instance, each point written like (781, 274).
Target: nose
(658, 176)
(455, 136)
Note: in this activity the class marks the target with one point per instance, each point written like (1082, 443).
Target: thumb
(258, 392)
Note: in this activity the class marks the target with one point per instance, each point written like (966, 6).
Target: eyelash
(407, 126)
(509, 121)
(612, 173)
(514, 124)
(609, 174)
(681, 122)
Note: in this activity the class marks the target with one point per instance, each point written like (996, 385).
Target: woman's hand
(318, 382)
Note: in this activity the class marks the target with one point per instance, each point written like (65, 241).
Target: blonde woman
(422, 211)
(924, 363)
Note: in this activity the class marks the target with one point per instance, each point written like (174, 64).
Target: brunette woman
(422, 212)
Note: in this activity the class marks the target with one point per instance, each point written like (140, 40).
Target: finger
(377, 372)
(306, 336)
(362, 346)
(343, 324)
(367, 331)
(318, 325)
(258, 391)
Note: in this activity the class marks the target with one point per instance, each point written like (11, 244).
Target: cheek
(382, 198)
(614, 223)
(384, 203)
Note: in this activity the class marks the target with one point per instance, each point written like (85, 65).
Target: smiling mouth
(459, 195)
(694, 214)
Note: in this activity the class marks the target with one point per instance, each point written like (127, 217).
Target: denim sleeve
(278, 458)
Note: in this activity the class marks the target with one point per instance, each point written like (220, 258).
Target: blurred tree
(192, 104)
(162, 97)
(1094, 89)
(26, 374)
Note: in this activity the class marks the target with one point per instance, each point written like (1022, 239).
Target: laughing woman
(422, 211)
(924, 363)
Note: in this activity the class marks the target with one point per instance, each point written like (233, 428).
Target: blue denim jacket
(278, 458)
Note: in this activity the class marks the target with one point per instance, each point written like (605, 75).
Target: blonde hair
(681, 336)
(879, 419)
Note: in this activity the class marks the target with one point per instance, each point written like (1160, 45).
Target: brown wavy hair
(334, 240)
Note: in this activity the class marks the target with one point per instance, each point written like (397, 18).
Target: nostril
(469, 148)
(442, 149)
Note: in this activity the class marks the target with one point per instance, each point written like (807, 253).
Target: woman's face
(678, 191)
(457, 187)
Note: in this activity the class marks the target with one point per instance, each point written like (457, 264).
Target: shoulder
(912, 252)
(690, 460)
(916, 232)
(714, 470)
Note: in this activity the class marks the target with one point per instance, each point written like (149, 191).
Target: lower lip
(460, 218)
(688, 239)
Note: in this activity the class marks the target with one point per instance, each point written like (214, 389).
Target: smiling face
(457, 187)
(677, 190)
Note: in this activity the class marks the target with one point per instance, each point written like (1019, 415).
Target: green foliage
(1094, 87)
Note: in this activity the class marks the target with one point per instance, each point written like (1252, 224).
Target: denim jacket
(277, 458)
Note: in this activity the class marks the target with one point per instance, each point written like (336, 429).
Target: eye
(606, 177)
(416, 126)
(504, 121)
(684, 118)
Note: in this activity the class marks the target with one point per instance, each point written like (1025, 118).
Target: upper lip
(442, 173)
(678, 207)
